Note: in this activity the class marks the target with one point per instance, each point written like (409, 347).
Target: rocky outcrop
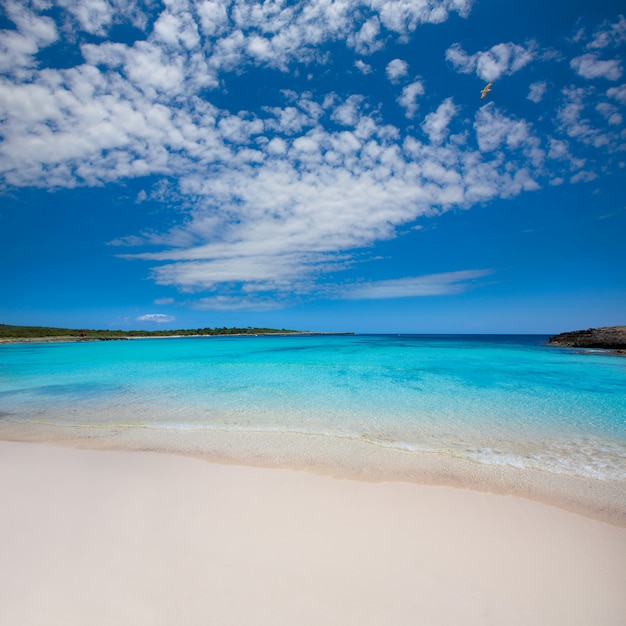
(609, 337)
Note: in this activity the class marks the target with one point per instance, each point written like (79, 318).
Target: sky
(318, 165)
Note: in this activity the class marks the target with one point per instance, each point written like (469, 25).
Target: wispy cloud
(416, 286)
(609, 34)
(237, 303)
(586, 119)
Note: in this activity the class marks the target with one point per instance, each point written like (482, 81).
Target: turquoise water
(505, 400)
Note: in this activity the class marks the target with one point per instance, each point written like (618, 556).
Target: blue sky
(313, 165)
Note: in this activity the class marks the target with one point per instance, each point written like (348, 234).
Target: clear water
(492, 399)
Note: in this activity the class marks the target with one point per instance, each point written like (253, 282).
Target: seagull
(485, 91)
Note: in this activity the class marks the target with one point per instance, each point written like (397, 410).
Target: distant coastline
(42, 334)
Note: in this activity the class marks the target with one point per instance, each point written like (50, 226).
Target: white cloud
(619, 93)
(558, 149)
(97, 16)
(537, 91)
(213, 16)
(609, 35)
(503, 58)
(495, 130)
(296, 30)
(610, 112)
(367, 39)
(286, 224)
(223, 34)
(403, 16)
(416, 286)
(578, 118)
(273, 199)
(236, 303)
(364, 68)
(408, 99)
(589, 66)
(583, 176)
(94, 16)
(348, 113)
(177, 29)
(19, 47)
(157, 318)
(435, 124)
(396, 70)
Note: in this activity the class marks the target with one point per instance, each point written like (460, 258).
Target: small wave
(598, 463)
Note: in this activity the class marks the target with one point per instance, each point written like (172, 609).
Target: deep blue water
(494, 399)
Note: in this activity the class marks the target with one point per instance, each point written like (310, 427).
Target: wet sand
(126, 537)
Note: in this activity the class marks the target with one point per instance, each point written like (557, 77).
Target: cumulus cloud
(436, 124)
(503, 58)
(97, 16)
(363, 67)
(495, 130)
(558, 149)
(610, 112)
(293, 220)
(590, 66)
(367, 39)
(274, 199)
(537, 91)
(402, 16)
(408, 98)
(618, 93)
(348, 113)
(18, 47)
(396, 70)
(157, 318)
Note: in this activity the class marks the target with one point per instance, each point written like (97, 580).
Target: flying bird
(485, 91)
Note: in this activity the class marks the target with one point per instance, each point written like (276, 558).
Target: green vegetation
(27, 332)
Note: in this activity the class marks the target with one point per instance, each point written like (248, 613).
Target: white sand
(132, 538)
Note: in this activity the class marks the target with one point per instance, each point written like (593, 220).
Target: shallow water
(503, 400)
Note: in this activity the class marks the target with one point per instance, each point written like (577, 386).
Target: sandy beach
(113, 537)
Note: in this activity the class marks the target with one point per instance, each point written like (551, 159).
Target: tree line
(8, 331)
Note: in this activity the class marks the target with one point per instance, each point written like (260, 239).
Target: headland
(605, 338)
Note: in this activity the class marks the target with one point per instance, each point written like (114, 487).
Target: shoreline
(138, 539)
(342, 458)
(74, 339)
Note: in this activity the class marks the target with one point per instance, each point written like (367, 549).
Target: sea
(505, 400)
